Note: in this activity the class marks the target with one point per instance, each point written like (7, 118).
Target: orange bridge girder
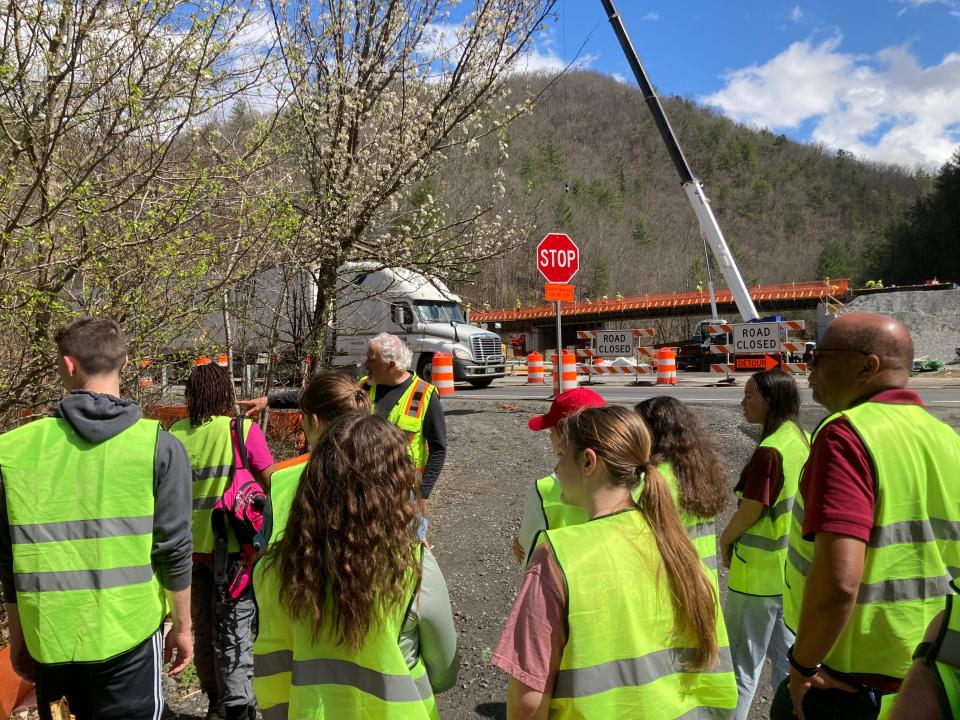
(774, 297)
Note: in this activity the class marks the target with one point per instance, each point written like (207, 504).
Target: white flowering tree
(386, 96)
(117, 193)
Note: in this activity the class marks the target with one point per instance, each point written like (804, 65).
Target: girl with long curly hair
(355, 616)
(754, 543)
(616, 616)
(684, 454)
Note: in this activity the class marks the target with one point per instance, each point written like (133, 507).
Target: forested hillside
(589, 161)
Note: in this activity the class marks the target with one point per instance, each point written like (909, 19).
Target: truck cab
(422, 311)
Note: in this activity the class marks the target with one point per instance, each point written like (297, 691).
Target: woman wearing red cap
(542, 507)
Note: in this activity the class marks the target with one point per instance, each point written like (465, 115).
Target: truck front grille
(486, 349)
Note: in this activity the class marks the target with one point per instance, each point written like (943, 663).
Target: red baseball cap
(566, 404)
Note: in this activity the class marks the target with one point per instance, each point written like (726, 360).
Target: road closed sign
(756, 337)
(614, 343)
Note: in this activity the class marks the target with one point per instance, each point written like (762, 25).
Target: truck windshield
(437, 311)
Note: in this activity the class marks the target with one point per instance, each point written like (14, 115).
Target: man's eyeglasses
(818, 351)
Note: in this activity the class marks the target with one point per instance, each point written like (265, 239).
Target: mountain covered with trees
(589, 161)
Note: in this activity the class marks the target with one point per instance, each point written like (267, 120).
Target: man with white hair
(411, 404)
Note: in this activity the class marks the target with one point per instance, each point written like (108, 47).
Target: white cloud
(881, 107)
(796, 15)
(619, 78)
(650, 16)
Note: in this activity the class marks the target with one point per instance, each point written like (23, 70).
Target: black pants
(125, 687)
(832, 704)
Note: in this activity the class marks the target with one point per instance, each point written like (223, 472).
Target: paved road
(693, 387)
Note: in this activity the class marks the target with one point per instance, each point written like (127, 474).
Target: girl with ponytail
(616, 616)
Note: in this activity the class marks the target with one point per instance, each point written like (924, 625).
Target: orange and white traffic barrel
(442, 373)
(568, 368)
(535, 369)
(666, 366)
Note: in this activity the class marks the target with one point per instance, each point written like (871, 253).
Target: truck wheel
(425, 367)
(481, 383)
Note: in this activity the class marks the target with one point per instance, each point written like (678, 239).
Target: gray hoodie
(97, 417)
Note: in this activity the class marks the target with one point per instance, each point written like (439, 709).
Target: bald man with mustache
(875, 536)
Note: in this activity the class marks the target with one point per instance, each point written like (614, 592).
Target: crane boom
(709, 228)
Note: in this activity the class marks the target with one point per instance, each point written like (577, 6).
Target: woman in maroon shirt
(757, 533)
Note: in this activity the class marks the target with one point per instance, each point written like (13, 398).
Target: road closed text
(756, 337)
(612, 344)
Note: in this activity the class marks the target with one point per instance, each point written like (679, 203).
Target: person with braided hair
(223, 631)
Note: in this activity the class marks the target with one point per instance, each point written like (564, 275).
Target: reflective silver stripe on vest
(208, 473)
(914, 531)
(61, 580)
(277, 712)
(797, 513)
(205, 503)
(949, 652)
(80, 530)
(710, 561)
(904, 590)
(272, 663)
(629, 672)
(762, 543)
(326, 671)
(701, 530)
(781, 508)
(799, 562)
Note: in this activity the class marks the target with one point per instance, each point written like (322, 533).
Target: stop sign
(558, 258)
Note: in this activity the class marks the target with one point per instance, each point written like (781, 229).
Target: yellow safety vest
(623, 657)
(946, 654)
(756, 567)
(296, 677)
(210, 450)
(702, 530)
(914, 542)
(81, 527)
(556, 513)
(408, 415)
(283, 487)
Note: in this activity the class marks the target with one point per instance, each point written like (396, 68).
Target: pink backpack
(244, 507)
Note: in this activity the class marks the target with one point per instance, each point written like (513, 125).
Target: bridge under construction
(772, 298)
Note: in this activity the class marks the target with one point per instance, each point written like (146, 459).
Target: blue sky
(879, 78)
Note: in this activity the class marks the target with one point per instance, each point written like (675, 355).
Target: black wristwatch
(802, 669)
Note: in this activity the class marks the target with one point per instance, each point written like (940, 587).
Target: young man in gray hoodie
(95, 541)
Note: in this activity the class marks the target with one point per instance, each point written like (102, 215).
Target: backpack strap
(239, 442)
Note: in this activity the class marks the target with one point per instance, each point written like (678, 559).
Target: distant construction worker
(95, 540)
(879, 503)
(411, 404)
(542, 507)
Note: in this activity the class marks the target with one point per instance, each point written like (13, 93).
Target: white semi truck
(372, 299)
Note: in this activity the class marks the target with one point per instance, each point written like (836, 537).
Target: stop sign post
(558, 260)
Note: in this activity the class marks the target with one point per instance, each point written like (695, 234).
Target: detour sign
(755, 362)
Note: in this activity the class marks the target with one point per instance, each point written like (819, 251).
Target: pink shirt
(258, 452)
(531, 644)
